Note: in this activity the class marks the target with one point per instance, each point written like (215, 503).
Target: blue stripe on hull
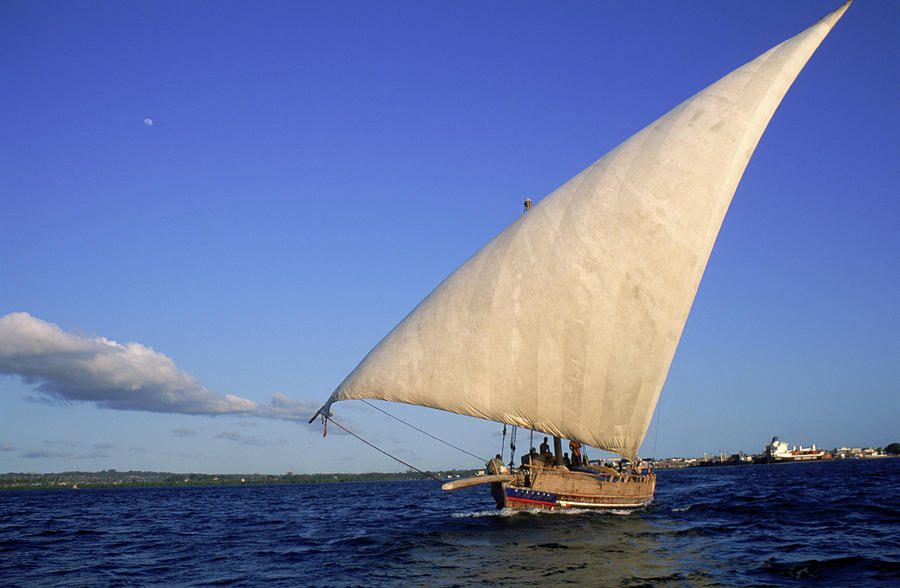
(533, 496)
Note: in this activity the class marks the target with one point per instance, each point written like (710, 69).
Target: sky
(211, 211)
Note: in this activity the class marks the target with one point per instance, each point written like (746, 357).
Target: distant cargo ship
(781, 451)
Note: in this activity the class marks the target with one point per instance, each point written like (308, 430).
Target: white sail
(568, 320)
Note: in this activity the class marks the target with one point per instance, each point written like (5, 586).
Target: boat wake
(510, 512)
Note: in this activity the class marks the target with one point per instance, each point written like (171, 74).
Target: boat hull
(558, 488)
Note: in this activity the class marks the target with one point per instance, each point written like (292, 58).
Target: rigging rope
(421, 431)
(658, 418)
(436, 479)
(503, 442)
(512, 446)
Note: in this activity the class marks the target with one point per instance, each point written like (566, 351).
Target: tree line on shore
(117, 479)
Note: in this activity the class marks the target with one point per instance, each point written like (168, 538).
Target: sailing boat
(568, 320)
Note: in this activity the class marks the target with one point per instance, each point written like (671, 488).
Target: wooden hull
(558, 488)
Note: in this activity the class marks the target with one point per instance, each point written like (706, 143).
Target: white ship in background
(781, 451)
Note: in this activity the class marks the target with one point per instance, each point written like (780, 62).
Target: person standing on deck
(575, 448)
(545, 447)
(495, 465)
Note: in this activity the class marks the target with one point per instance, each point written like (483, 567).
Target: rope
(436, 479)
(423, 432)
(658, 418)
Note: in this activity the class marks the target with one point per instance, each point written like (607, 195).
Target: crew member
(575, 448)
(495, 465)
(545, 447)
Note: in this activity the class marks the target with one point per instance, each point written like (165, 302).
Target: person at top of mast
(545, 447)
(527, 204)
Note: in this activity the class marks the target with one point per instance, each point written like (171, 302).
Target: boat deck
(559, 487)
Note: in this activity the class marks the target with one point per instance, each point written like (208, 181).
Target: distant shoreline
(681, 465)
(142, 479)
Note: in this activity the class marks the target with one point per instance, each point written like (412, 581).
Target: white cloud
(65, 443)
(148, 122)
(68, 366)
(47, 454)
(253, 440)
(43, 454)
(282, 407)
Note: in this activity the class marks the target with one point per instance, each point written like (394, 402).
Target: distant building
(859, 452)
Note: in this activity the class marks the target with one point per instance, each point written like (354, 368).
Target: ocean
(824, 523)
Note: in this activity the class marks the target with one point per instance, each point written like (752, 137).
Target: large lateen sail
(567, 321)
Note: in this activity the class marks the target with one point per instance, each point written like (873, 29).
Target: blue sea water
(824, 523)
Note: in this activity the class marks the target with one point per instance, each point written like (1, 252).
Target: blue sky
(239, 200)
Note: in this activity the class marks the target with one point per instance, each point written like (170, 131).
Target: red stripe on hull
(511, 499)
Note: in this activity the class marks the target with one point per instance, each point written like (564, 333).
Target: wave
(509, 512)
(850, 568)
